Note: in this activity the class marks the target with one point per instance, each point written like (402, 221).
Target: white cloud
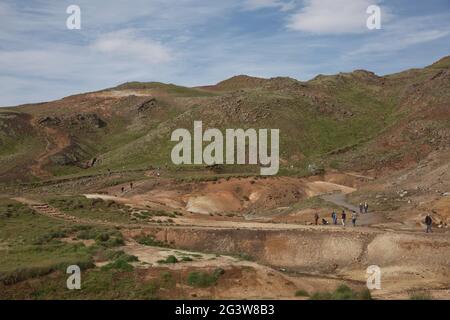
(405, 33)
(127, 44)
(333, 16)
(191, 42)
(261, 4)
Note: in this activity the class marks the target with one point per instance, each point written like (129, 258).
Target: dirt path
(56, 142)
(49, 211)
(338, 199)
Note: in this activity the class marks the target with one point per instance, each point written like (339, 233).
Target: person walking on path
(429, 223)
(354, 216)
(316, 218)
(343, 217)
(366, 207)
(334, 217)
(361, 207)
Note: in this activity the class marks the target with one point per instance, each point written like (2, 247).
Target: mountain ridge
(349, 120)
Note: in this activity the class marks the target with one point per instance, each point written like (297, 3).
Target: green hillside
(356, 120)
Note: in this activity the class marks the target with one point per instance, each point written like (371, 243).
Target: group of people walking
(334, 217)
(363, 208)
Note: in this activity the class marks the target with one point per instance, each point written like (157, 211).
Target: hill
(355, 120)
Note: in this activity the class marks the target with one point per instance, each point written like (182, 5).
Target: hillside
(357, 120)
(87, 180)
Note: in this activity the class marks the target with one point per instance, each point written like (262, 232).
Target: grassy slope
(330, 119)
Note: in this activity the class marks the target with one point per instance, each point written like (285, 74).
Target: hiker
(122, 189)
(366, 207)
(343, 216)
(109, 171)
(429, 222)
(334, 218)
(361, 207)
(324, 222)
(316, 218)
(131, 185)
(354, 215)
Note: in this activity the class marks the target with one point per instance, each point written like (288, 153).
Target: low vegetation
(169, 259)
(420, 296)
(99, 209)
(32, 246)
(204, 279)
(149, 240)
(342, 292)
(301, 293)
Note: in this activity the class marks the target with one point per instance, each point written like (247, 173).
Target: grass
(328, 114)
(204, 279)
(32, 247)
(315, 202)
(98, 209)
(186, 259)
(120, 255)
(420, 296)
(155, 213)
(301, 293)
(170, 259)
(103, 237)
(342, 292)
(149, 240)
(99, 283)
(119, 264)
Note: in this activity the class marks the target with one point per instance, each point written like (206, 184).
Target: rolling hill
(357, 120)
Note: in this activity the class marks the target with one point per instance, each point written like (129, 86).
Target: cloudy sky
(197, 42)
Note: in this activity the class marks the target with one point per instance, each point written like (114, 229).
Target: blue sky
(198, 42)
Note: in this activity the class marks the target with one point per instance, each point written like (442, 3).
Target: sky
(200, 42)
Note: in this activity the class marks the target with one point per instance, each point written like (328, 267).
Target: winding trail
(56, 142)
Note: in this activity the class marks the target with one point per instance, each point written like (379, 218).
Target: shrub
(169, 259)
(120, 254)
(420, 296)
(186, 259)
(365, 295)
(51, 236)
(301, 293)
(150, 240)
(87, 234)
(204, 279)
(343, 292)
(119, 264)
(149, 291)
(102, 237)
